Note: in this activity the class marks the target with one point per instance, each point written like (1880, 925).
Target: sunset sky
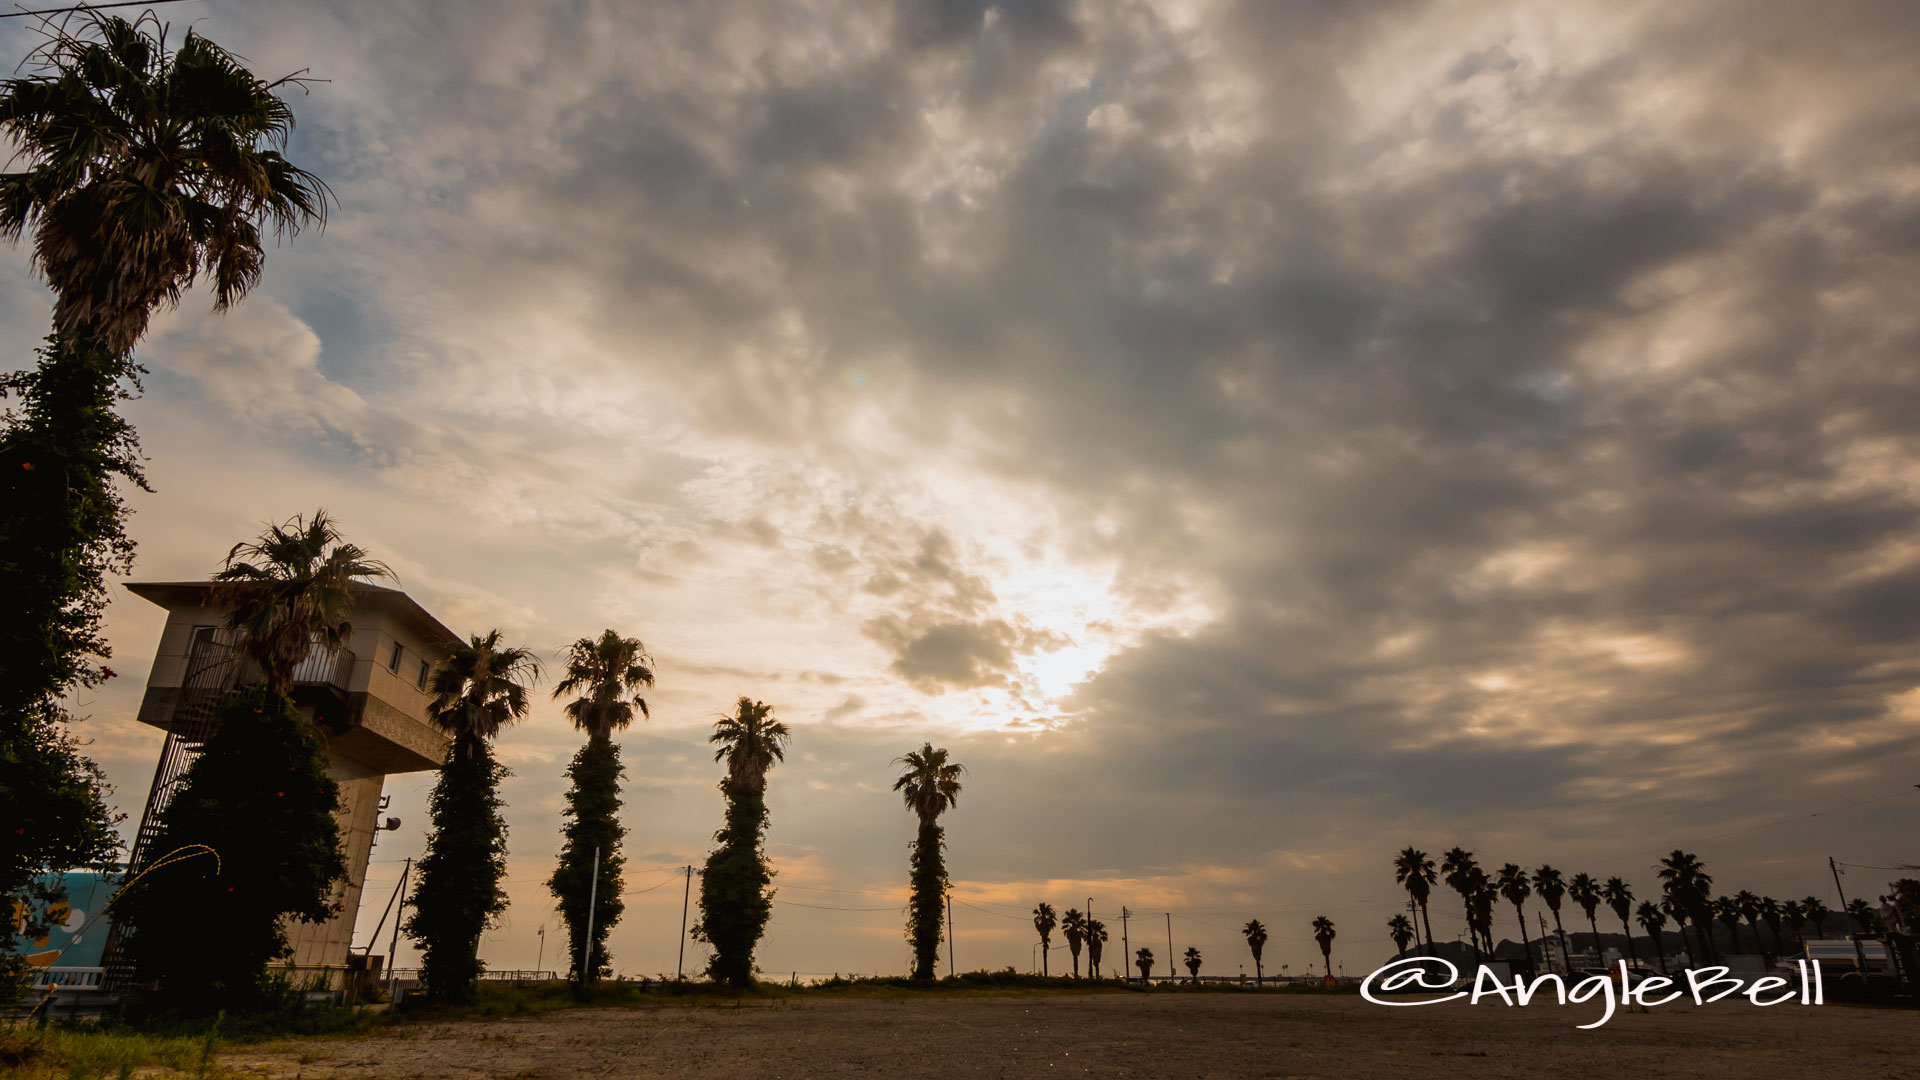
(1254, 437)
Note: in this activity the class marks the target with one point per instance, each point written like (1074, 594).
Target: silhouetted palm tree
(479, 688)
(1480, 908)
(1548, 883)
(145, 167)
(1073, 927)
(930, 785)
(1771, 913)
(1585, 891)
(1654, 921)
(1192, 960)
(1457, 869)
(736, 899)
(1323, 933)
(1687, 885)
(1727, 910)
(1817, 913)
(1044, 921)
(1415, 872)
(1795, 915)
(1400, 929)
(606, 675)
(1256, 936)
(1513, 885)
(1747, 904)
(1096, 945)
(1143, 959)
(1619, 897)
(1863, 915)
(289, 592)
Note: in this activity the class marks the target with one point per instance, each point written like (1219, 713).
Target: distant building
(368, 701)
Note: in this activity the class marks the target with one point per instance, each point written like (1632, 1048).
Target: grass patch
(60, 1053)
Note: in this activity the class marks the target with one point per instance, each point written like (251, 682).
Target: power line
(823, 907)
(86, 7)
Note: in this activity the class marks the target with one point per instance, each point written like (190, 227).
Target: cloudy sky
(1255, 437)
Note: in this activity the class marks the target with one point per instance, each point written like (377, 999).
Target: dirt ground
(1157, 1035)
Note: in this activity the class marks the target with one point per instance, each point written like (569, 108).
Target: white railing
(68, 978)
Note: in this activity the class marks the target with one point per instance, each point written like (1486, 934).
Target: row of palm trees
(1686, 898)
(1079, 929)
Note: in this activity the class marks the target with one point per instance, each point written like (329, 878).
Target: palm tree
(1771, 913)
(1619, 896)
(1096, 944)
(1863, 915)
(1480, 908)
(480, 688)
(605, 675)
(1686, 883)
(1817, 913)
(1073, 927)
(290, 591)
(145, 167)
(1192, 960)
(1747, 903)
(1727, 910)
(735, 898)
(1551, 888)
(1585, 891)
(1457, 869)
(1654, 921)
(1795, 915)
(1143, 959)
(1414, 871)
(1514, 887)
(1400, 929)
(1323, 934)
(1256, 935)
(1044, 921)
(930, 785)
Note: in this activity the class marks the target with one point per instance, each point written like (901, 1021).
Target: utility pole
(1859, 951)
(541, 956)
(680, 964)
(1170, 968)
(949, 935)
(393, 948)
(1126, 950)
(593, 897)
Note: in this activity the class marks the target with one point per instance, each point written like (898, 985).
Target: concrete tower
(368, 701)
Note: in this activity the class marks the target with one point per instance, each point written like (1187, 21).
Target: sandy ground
(1161, 1035)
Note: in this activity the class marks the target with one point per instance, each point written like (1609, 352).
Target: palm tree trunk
(1427, 924)
(1526, 943)
(1598, 953)
(1632, 953)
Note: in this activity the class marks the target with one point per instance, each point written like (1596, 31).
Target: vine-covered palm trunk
(928, 879)
(459, 893)
(60, 520)
(735, 898)
(60, 537)
(260, 797)
(593, 821)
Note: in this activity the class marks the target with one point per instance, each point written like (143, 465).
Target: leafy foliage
(592, 821)
(260, 797)
(927, 881)
(735, 900)
(53, 802)
(146, 168)
(290, 590)
(459, 894)
(930, 785)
